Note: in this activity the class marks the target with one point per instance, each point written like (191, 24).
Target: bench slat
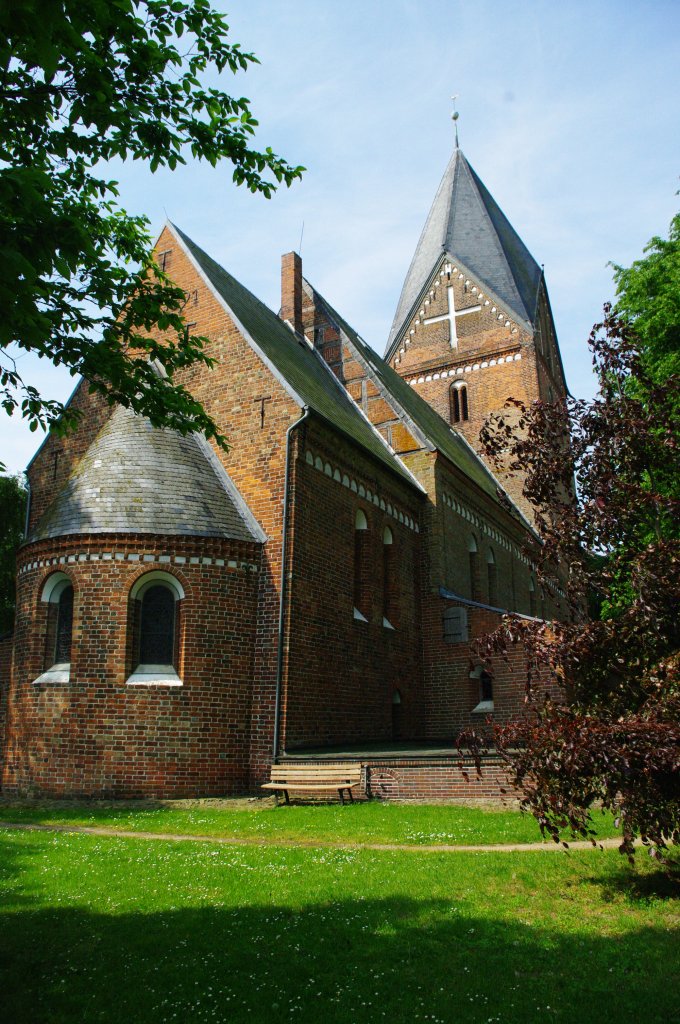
(312, 785)
(341, 778)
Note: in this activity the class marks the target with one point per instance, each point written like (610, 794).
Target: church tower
(473, 325)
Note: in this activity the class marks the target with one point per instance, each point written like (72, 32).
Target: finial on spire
(454, 117)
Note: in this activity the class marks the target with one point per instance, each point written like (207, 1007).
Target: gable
(456, 318)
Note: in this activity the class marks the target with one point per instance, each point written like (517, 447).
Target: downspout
(282, 600)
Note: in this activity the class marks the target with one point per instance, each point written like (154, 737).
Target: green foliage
(13, 497)
(648, 294)
(82, 84)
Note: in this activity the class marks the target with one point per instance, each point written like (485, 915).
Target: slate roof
(299, 368)
(135, 478)
(435, 431)
(465, 223)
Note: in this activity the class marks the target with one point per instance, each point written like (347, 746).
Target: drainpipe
(282, 601)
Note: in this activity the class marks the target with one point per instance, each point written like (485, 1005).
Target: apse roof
(465, 223)
(299, 368)
(135, 478)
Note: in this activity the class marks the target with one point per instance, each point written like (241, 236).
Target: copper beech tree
(602, 477)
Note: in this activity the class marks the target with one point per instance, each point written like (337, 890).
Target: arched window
(361, 596)
(57, 593)
(155, 614)
(485, 686)
(492, 578)
(473, 556)
(157, 626)
(482, 693)
(458, 398)
(388, 579)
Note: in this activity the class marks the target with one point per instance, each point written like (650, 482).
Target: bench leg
(351, 796)
(342, 798)
(285, 793)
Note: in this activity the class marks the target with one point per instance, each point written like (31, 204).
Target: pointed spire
(466, 225)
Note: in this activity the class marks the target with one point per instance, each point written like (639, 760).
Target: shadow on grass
(350, 961)
(662, 884)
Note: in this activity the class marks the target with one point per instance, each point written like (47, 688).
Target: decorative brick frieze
(360, 489)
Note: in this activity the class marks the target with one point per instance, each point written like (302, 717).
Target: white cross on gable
(451, 316)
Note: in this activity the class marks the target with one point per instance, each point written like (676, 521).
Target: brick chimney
(291, 290)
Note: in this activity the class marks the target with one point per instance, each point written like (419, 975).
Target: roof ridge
(487, 476)
(290, 359)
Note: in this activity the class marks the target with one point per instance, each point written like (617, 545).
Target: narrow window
(492, 578)
(157, 626)
(154, 647)
(360, 569)
(485, 686)
(62, 646)
(397, 728)
(388, 579)
(57, 593)
(459, 402)
(532, 597)
(473, 556)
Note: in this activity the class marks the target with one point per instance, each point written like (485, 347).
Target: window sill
(56, 674)
(154, 675)
(482, 707)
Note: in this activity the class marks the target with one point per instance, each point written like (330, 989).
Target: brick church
(186, 615)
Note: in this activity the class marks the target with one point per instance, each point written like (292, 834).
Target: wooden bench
(288, 778)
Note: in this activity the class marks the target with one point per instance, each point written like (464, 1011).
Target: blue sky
(569, 112)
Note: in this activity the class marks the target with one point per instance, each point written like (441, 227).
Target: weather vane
(454, 117)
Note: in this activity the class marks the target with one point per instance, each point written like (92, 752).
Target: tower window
(458, 397)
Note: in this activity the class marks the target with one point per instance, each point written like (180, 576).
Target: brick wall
(95, 735)
(235, 393)
(343, 672)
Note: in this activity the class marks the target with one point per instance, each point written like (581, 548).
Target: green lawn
(111, 929)
(362, 822)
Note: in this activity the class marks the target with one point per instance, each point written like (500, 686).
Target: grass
(112, 930)
(358, 823)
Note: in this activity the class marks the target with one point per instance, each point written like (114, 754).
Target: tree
(82, 84)
(648, 295)
(13, 497)
(603, 479)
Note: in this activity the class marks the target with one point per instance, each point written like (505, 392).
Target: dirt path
(321, 844)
